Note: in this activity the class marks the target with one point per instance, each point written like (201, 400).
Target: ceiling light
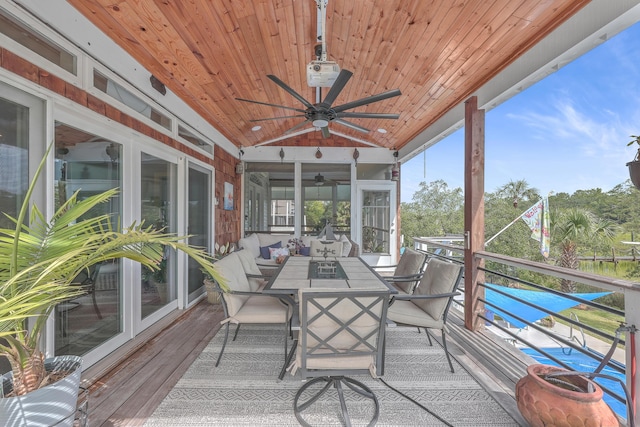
(320, 123)
(256, 128)
(381, 130)
(319, 180)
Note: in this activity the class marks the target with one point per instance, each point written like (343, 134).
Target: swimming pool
(583, 363)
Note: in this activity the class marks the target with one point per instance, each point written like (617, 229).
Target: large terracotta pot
(544, 404)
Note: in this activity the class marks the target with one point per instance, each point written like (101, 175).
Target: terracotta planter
(634, 173)
(544, 404)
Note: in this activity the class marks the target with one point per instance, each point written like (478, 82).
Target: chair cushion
(230, 268)
(261, 309)
(264, 250)
(439, 278)
(250, 267)
(410, 263)
(340, 355)
(408, 313)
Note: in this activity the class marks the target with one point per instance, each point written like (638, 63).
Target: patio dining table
(300, 272)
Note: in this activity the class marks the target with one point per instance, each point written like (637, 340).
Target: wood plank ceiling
(437, 52)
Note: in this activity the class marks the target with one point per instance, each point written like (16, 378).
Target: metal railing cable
(566, 343)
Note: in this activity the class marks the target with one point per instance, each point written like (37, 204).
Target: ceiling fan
(322, 113)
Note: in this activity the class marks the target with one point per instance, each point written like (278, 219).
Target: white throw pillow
(251, 243)
(346, 245)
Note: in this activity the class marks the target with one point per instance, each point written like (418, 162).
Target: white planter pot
(54, 404)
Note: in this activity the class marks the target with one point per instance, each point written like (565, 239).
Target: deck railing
(451, 247)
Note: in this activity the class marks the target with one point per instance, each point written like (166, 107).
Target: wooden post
(473, 212)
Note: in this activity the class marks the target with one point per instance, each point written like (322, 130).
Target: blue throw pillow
(264, 250)
(305, 251)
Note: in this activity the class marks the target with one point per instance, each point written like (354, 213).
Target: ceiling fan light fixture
(319, 180)
(320, 123)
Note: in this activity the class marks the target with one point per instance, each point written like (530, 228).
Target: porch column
(473, 212)
(632, 318)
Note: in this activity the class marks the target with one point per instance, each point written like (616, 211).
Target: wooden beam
(473, 212)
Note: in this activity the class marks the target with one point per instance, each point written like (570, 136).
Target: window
(269, 197)
(119, 93)
(191, 137)
(36, 43)
(326, 194)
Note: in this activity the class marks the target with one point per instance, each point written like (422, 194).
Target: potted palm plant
(634, 165)
(39, 259)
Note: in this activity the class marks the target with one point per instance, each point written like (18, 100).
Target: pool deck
(543, 341)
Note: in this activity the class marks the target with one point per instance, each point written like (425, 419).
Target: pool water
(583, 363)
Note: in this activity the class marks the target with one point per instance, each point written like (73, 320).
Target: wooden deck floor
(127, 394)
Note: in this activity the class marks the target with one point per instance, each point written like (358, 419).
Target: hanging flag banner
(537, 218)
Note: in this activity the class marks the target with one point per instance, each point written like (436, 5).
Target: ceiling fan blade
(367, 100)
(368, 115)
(276, 118)
(299, 125)
(291, 92)
(325, 132)
(270, 105)
(351, 125)
(336, 88)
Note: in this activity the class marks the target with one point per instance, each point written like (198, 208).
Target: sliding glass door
(158, 210)
(198, 215)
(89, 164)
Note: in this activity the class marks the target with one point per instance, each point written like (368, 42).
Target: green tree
(575, 226)
(517, 191)
(436, 210)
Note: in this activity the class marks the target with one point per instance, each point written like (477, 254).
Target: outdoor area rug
(244, 389)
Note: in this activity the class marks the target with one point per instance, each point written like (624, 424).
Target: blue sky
(565, 133)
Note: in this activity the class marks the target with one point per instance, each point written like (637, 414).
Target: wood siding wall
(227, 222)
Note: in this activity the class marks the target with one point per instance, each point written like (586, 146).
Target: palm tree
(518, 190)
(39, 261)
(573, 226)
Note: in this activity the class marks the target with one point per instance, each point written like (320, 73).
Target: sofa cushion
(266, 239)
(264, 250)
(306, 240)
(346, 245)
(251, 243)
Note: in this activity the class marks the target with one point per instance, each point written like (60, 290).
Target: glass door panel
(199, 214)
(376, 221)
(326, 198)
(88, 164)
(14, 158)
(158, 209)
